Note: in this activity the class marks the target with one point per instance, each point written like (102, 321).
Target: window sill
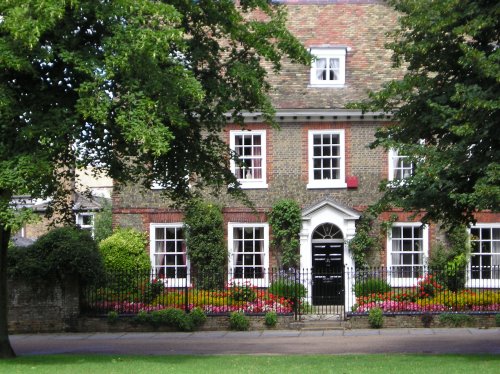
(326, 85)
(253, 186)
(316, 185)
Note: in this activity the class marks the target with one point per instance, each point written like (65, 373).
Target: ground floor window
(485, 252)
(407, 248)
(249, 251)
(168, 251)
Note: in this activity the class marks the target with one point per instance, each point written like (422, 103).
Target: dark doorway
(328, 266)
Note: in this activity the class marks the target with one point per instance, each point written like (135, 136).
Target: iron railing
(345, 291)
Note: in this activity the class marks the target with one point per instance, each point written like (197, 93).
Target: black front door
(328, 273)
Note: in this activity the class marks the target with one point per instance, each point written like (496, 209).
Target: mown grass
(338, 364)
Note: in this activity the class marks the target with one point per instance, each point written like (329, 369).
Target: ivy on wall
(285, 220)
(206, 248)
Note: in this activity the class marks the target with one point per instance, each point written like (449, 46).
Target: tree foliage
(138, 89)
(103, 222)
(285, 219)
(446, 108)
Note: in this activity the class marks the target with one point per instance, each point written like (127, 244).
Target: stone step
(317, 325)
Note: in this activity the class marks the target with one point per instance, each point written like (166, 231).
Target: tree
(446, 108)
(138, 89)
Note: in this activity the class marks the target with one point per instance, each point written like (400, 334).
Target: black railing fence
(346, 291)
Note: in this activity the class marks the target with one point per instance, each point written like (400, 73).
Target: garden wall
(213, 323)
(37, 308)
(418, 321)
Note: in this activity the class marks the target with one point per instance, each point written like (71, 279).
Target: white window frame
(79, 222)
(257, 282)
(328, 53)
(327, 183)
(483, 282)
(394, 157)
(249, 183)
(407, 281)
(169, 282)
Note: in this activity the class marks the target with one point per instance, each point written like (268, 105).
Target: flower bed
(233, 298)
(430, 296)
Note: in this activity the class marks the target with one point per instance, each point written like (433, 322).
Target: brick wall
(42, 307)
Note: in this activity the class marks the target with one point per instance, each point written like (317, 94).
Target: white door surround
(327, 211)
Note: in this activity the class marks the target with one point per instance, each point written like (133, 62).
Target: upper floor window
(328, 67)
(407, 248)
(250, 148)
(326, 159)
(168, 253)
(400, 166)
(249, 252)
(485, 253)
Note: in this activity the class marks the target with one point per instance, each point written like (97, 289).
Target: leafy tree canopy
(138, 89)
(446, 107)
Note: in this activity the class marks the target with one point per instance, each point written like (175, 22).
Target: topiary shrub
(65, 252)
(366, 287)
(376, 318)
(239, 321)
(124, 251)
(206, 247)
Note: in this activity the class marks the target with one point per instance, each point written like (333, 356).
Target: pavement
(266, 342)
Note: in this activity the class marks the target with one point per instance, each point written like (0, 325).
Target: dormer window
(328, 67)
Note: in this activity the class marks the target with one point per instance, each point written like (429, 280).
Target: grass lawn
(373, 364)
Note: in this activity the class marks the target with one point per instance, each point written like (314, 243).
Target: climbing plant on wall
(285, 222)
(206, 248)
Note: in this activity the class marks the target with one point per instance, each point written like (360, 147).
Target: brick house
(319, 157)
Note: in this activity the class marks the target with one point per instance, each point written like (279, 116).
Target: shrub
(287, 288)
(239, 321)
(271, 319)
(142, 318)
(376, 318)
(124, 255)
(497, 319)
(112, 317)
(65, 252)
(243, 293)
(428, 286)
(455, 319)
(370, 286)
(197, 317)
(206, 248)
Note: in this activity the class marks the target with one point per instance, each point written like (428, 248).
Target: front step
(310, 324)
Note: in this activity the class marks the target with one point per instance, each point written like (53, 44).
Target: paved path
(432, 341)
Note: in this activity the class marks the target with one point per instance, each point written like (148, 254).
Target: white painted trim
(400, 282)
(260, 183)
(481, 283)
(170, 282)
(326, 183)
(230, 245)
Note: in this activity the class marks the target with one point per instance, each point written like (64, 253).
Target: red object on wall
(352, 182)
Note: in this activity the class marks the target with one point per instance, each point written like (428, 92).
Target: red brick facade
(360, 27)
